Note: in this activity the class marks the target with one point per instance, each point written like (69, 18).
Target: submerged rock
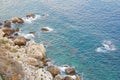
(54, 70)
(30, 15)
(46, 29)
(17, 20)
(20, 41)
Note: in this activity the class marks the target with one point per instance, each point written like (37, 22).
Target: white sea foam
(27, 36)
(107, 46)
(31, 19)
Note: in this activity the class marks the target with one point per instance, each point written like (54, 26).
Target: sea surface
(85, 35)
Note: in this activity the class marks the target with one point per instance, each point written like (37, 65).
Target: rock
(68, 78)
(58, 77)
(70, 71)
(37, 51)
(44, 29)
(8, 31)
(1, 33)
(17, 30)
(54, 70)
(30, 15)
(17, 20)
(1, 23)
(45, 60)
(7, 24)
(78, 78)
(20, 41)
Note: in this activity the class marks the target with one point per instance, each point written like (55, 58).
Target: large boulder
(8, 31)
(30, 15)
(20, 41)
(54, 70)
(17, 20)
(37, 51)
(7, 24)
(70, 71)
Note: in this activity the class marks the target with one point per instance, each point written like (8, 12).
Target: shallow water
(79, 28)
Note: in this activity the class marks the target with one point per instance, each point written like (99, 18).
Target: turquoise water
(80, 30)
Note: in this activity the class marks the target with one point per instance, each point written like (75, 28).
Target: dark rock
(20, 40)
(17, 20)
(53, 70)
(70, 71)
(17, 30)
(68, 78)
(44, 29)
(30, 15)
(7, 24)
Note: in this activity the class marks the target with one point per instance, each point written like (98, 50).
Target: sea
(84, 34)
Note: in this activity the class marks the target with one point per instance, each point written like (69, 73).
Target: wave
(107, 46)
(31, 19)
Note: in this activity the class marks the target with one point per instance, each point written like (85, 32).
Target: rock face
(36, 50)
(1, 23)
(53, 70)
(30, 15)
(78, 78)
(17, 20)
(70, 71)
(7, 24)
(20, 41)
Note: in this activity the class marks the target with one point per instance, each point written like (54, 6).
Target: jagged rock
(7, 24)
(36, 50)
(58, 77)
(77, 77)
(30, 15)
(8, 31)
(68, 78)
(54, 70)
(20, 40)
(17, 30)
(17, 20)
(70, 71)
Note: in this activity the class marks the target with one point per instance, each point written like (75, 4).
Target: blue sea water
(82, 36)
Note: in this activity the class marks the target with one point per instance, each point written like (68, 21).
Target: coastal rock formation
(7, 24)
(44, 29)
(53, 70)
(8, 31)
(58, 77)
(68, 78)
(20, 41)
(17, 20)
(1, 33)
(36, 50)
(1, 23)
(70, 71)
(78, 78)
(30, 15)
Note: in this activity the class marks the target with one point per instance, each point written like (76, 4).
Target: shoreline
(23, 59)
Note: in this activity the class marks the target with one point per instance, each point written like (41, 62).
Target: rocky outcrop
(70, 71)
(8, 31)
(7, 24)
(1, 23)
(54, 70)
(68, 78)
(20, 41)
(1, 33)
(58, 77)
(30, 15)
(17, 20)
